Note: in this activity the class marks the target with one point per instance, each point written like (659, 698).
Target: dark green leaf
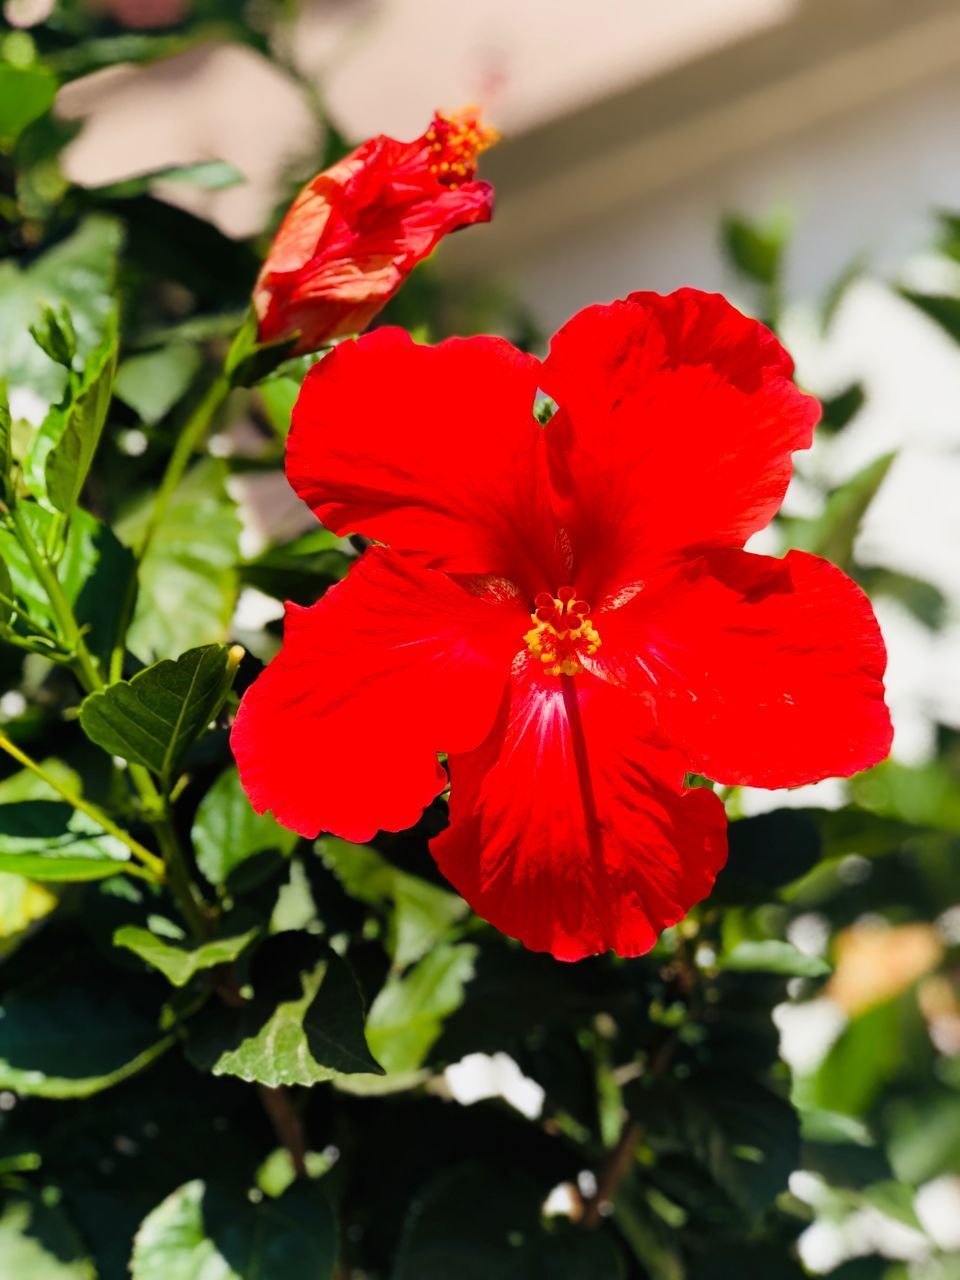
(484, 1224)
(299, 569)
(201, 1233)
(152, 383)
(67, 1037)
(924, 1136)
(178, 962)
(6, 594)
(153, 718)
(26, 93)
(767, 852)
(49, 840)
(227, 833)
(303, 1025)
(755, 250)
(250, 360)
(842, 408)
(944, 309)
(38, 1242)
(420, 914)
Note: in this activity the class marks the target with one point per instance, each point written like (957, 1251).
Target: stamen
(562, 632)
(456, 141)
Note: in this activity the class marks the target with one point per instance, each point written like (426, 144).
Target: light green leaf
(38, 1242)
(66, 1037)
(279, 395)
(419, 913)
(771, 955)
(833, 533)
(49, 840)
(201, 1233)
(407, 1016)
(79, 273)
(94, 571)
(153, 718)
(211, 175)
(179, 963)
(188, 579)
(303, 1025)
(227, 833)
(152, 383)
(26, 93)
(6, 443)
(68, 462)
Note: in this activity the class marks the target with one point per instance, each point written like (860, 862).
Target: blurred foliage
(243, 1071)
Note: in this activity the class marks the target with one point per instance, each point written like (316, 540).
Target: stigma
(455, 142)
(562, 632)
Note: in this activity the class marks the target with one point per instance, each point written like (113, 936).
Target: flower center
(562, 632)
(455, 142)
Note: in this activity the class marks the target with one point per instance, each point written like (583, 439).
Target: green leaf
(755, 249)
(408, 1014)
(279, 395)
(68, 462)
(303, 1025)
(26, 94)
(153, 718)
(420, 914)
(202, 1233)
(152, 383)
(78, 273)
(478, 1223)
(188, 578)
(842, 408)
(924, 1135)
(298, 569)
(6, 595)
(227, 833)
(771, 955)
(22, 903)
(248, 360)
(866, 1054)
(66, 1037)
(944, 309)
(49, 840)
(210, 175)
(6, 443)
(54, 334)
(94, 571)
(767, 852)
(177, 962)
(38, 1242)
(833, 533)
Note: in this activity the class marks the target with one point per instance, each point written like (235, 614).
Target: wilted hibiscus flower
(357, 230)
(566, 610)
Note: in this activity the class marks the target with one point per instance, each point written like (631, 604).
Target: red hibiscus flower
(357, 230)
(566, 610)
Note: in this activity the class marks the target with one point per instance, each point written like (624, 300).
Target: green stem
(86, 665)
(187, 444)
(149, 860)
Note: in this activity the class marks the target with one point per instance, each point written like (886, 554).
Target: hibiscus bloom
(566, 610)
(357, 230)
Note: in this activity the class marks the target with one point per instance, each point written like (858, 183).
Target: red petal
(676, 423)
(760, 671)
(341, 731)
(433, 450)
(352, 236)
(522, 851)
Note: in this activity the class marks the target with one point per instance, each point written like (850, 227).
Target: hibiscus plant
(389, 887)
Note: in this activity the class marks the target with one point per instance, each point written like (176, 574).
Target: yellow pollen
(459, 139)
(562, 632)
